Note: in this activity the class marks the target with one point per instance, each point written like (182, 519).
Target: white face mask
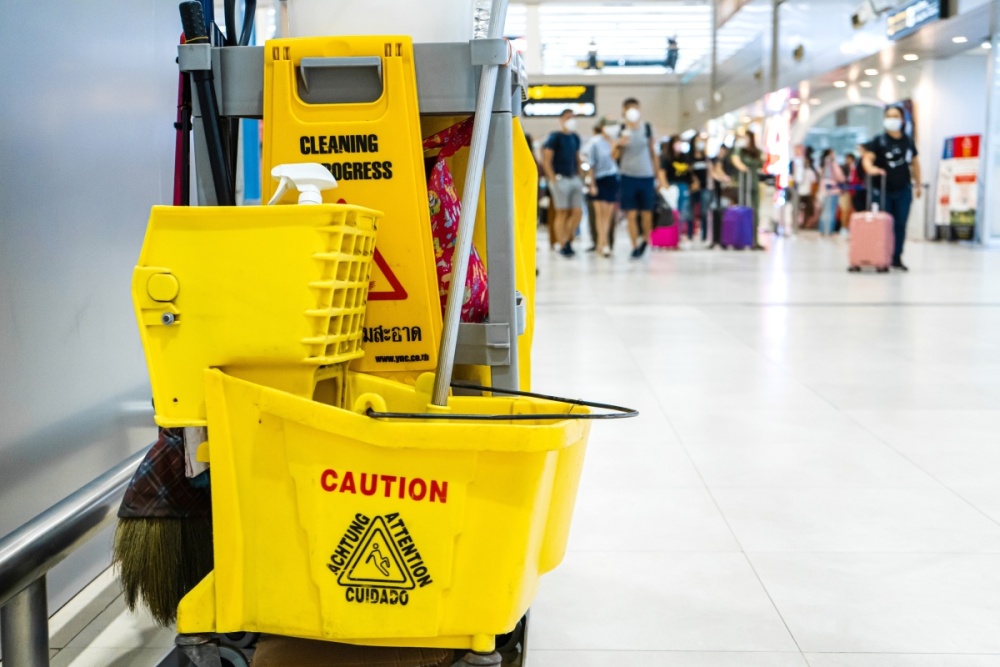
(893, 124)
(570, 124)
(612, 131)
(742, 143)
(633, 115)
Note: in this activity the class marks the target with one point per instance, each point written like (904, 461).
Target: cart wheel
(508, 642)
(232, 657)
(240, 639)
(882, 269)
(854, 269)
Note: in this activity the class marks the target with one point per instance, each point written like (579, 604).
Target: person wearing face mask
(893, 157)
(561, 164)
(749, 159)
(701, 192)
(677, 171)
(833, 179)
(635, 152)
(603, 184)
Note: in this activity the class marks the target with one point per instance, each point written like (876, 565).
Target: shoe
(592, 248)
(757, 247)
(642, 248)
(567, 251)
(605, 251)
(637, 253)
(899, 266)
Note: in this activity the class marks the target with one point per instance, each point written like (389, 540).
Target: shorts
(567, 193)
(607, 189)
(638, 194)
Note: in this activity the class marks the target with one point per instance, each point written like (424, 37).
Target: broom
(163, 541)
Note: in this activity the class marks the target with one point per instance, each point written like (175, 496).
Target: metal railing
(28, 553)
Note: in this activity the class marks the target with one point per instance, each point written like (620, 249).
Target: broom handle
(467, 219)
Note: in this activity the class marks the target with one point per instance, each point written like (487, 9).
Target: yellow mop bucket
(268, 293)
(429, 529)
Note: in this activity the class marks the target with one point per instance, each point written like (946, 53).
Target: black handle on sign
(194, 20)
(617, 412)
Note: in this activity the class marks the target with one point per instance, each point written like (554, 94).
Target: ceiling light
(865, 84)
(871, 72)
(840, 84)
(745, 119)
(910, 57)
(960, 39)
(795, 101)
(900, 78)
(986, 45)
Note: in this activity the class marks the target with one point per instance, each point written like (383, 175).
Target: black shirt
(895, 156)
(564, 149)
(678, 169)
(699, 167)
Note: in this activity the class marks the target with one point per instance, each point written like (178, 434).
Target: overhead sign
(552, 101)
(914, 15)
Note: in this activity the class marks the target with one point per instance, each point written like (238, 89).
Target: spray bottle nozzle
(309, 178)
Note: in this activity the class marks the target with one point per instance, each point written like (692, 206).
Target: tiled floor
(812, 482)
(813, 479)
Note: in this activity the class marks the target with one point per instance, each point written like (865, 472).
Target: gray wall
(86, 114)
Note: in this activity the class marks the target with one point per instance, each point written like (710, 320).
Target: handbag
(446, 209)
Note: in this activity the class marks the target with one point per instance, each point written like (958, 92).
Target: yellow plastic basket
(331, 524)
(267, 293)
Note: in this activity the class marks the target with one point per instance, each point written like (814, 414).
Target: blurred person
(807, 183)
(831, 178)
(750, 160)
(603, 184)
(701, 186)
(852, 183)
(893, 156)
(722, 173)
(561, 163)
(635, 152)
(676, 169)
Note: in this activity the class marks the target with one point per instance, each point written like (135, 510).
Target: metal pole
(467, 221)
(24, 627)
(775, 36)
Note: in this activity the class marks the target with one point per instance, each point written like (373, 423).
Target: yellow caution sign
(350, 104)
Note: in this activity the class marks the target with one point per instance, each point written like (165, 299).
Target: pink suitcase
(872, 239)
(668, 236)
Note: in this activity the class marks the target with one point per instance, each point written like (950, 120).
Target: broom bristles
(159, 560)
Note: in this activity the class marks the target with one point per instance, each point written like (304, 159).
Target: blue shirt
(601, 159)
(564, 149)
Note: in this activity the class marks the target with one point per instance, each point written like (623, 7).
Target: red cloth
(446, 208)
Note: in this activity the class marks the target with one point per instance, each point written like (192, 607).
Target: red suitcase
(872, 239)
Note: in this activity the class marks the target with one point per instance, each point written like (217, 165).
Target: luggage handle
(869, 178)
(341, 80)
(746, 183)
(615, 411)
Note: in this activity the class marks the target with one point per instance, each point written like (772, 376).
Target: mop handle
(467, 220)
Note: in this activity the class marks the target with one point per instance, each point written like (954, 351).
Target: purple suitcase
(737, 227)
(737, 221)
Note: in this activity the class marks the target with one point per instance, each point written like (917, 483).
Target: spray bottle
(309, 178)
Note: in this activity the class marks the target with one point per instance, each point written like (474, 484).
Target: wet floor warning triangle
(385, 286)
(377, 561)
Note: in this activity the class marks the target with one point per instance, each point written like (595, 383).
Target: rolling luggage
(737, 221)
(872, 238)
(666, 231)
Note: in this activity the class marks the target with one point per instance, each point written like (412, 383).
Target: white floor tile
(649, 519)
(850, 463)
(656, 601)
(928, 520)
(886, 603)
(900, 660)
(617, 463)
(665, 659)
